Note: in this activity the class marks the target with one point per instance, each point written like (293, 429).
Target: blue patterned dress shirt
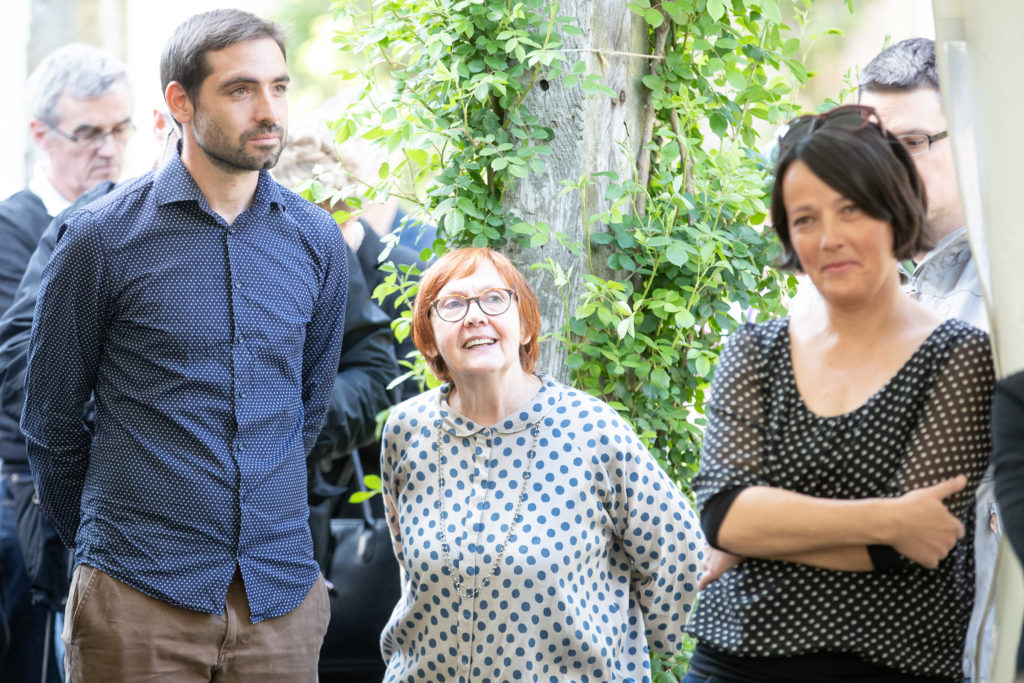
(212, 351)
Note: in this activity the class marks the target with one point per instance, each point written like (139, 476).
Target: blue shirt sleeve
(366, 367)
(324, 336)
(63, 358)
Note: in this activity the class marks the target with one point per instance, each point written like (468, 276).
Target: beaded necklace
(472, 593)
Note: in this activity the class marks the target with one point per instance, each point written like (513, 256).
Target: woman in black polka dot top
(844, 443)
(538, 539)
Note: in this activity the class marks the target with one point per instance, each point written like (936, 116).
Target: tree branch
(684, 164)
(643, 166)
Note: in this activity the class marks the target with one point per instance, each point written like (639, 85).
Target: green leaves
(716, 9)
(700, 253)
(452, 112)
(373, 485)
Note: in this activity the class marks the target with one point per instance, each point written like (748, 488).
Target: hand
(925, 528)
(716, 563)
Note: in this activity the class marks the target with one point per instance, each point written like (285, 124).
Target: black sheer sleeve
(734, 439)
(953, 435)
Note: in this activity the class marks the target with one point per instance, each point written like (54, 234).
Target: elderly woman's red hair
(461, 263)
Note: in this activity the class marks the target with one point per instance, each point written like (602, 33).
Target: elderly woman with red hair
(538, 538)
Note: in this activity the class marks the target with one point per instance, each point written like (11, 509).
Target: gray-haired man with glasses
(80, 105)
(902, 84)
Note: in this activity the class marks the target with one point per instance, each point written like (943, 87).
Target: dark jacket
(1008, 455)
(366, 368)
(1008, 462)
(16, 325)
(22, 220)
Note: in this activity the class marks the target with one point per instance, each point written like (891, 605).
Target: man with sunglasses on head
(80, 104)
(902, 84)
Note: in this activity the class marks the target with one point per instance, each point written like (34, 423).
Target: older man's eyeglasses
(454, 308)
(919, 143)
(88, 137)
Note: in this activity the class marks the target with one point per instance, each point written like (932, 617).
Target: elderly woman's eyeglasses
(454, 308)
(87, 137)
(851, 117)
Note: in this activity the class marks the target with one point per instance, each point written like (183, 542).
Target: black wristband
(885, 558)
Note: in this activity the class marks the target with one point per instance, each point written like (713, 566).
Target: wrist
(881, 521)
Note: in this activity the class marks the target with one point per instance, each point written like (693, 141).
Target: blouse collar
(520, 420)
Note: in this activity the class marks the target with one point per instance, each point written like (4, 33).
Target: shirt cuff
(713, 514)
(885, 558)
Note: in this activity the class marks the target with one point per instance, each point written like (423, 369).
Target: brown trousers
(115, 633)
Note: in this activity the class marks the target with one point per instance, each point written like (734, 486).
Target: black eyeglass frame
(932, 139)
(121, 134)
(470, 299)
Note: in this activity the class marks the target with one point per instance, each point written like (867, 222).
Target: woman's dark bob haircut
(872, 169)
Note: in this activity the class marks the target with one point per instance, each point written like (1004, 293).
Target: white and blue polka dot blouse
(601, 567)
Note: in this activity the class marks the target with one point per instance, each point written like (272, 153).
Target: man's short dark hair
(870, 168)
(184, 57)
(907, 65)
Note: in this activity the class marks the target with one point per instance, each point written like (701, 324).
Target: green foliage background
(442, 94)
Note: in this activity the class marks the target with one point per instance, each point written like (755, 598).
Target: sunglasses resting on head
(852, 117)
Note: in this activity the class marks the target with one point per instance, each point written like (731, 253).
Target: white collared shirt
(41, 186)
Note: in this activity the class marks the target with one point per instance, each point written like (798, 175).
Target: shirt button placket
(237, 366)
(467, 606)
(241, 497)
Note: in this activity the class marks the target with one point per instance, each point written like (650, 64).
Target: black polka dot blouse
(929, 422)
(601, 567)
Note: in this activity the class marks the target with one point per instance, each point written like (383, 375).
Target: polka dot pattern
(601, 568)
(928, 423)
(212, 349)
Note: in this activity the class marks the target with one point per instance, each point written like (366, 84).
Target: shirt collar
(173, 183)
(951, 244)
(958, 235)
(41, 186)
(534, 410)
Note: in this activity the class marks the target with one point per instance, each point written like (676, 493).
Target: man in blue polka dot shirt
(203, 305)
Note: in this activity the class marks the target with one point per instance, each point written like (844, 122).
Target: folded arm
(776, 524)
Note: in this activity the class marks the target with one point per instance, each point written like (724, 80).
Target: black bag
(364, 583)
(47, 559)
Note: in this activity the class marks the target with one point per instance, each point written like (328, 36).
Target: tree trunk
(589, 133)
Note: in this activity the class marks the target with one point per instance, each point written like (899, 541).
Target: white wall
(12, 117)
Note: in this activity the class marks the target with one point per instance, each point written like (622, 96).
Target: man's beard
(233, 158)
